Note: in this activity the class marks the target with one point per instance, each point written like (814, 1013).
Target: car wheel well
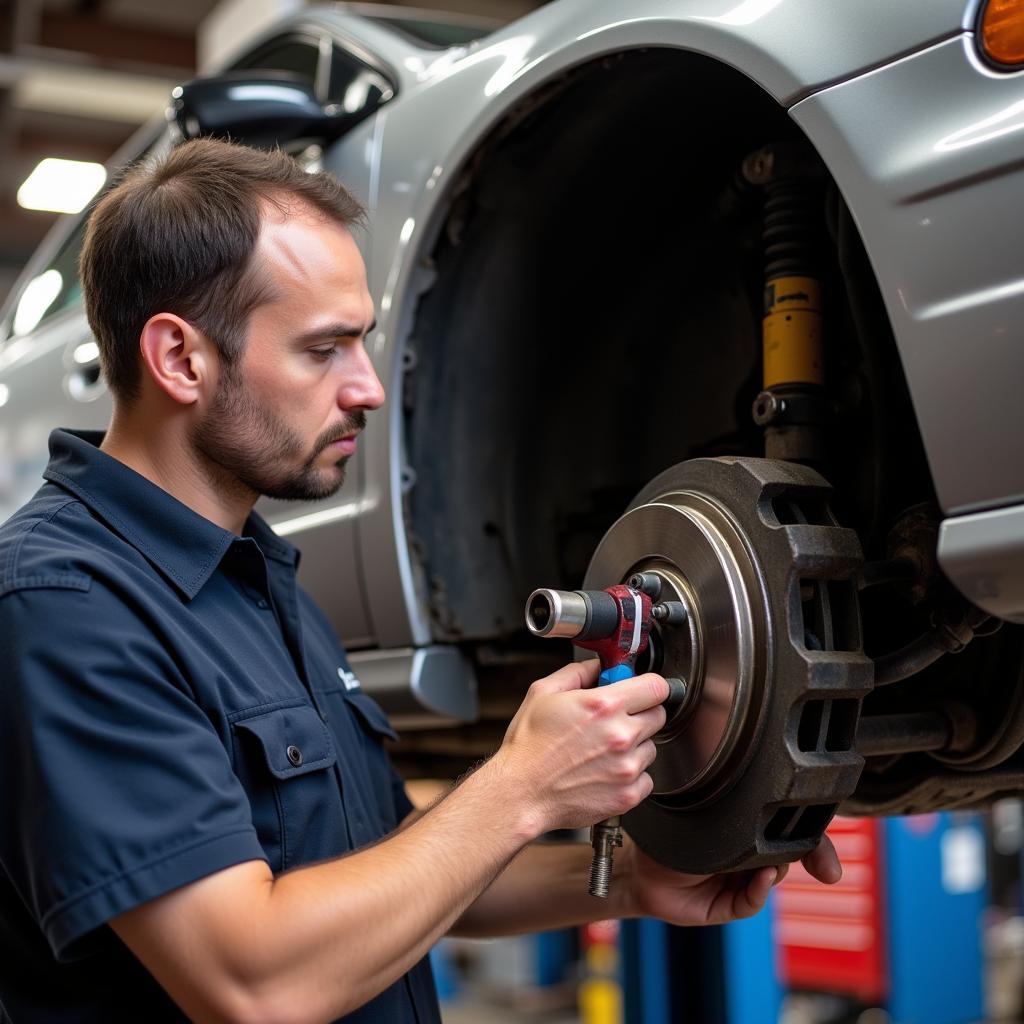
(594, 318)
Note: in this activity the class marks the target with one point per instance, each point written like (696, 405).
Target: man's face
(284, 418)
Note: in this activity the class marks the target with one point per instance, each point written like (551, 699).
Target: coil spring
(790, 232)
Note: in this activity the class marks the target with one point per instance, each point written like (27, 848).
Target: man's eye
(322, 353)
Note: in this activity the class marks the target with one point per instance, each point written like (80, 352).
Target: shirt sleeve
(117, 788)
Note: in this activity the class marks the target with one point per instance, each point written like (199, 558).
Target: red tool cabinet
(833, 937)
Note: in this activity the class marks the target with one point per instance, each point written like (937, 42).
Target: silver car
(726, 292)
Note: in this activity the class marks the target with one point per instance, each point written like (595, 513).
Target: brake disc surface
(752, 764)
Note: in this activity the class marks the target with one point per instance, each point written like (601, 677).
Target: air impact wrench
(616, 625)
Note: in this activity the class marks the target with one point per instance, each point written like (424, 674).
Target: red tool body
(619, 650)
(616, 625)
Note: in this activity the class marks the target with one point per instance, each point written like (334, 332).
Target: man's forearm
(331, 936)
(427, 875)
(544, 887)
(240, 945)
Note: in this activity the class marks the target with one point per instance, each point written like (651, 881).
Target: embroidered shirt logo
(349, 679)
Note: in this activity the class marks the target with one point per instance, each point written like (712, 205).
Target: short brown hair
(177, 235)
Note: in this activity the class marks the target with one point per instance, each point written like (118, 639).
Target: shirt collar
(183, 545)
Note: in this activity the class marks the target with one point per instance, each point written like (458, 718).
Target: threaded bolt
(600, 876)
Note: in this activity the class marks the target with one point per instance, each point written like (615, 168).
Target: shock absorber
(792, 407)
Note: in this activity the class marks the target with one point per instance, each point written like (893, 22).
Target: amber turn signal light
(1001, 31)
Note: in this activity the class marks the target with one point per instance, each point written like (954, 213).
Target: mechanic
(199, 817)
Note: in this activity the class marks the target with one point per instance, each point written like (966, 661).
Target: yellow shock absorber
(793, 351)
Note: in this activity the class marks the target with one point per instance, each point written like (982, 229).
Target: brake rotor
(752, 764)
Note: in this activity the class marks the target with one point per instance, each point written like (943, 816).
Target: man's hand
(651, 890)
(579, 752)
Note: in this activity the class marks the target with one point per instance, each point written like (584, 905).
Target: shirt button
(260, 603)
(323, 717)
(294, 755)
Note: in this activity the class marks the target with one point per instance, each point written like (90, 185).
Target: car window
(299, 55)
(353, 85)
(348, 81)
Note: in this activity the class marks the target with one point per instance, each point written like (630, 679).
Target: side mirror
(275, 108)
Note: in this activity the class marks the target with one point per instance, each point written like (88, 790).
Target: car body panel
(789, 47)
(983, 554)
(419, 686)
(936, 193)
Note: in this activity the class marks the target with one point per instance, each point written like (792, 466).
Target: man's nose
(361, 388)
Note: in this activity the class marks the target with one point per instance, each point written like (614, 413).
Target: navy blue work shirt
(171, 703)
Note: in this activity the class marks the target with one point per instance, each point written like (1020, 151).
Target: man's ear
(179, 359)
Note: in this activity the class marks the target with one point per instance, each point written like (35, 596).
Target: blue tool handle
(615, 674)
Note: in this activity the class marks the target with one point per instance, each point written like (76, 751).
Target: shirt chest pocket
(285, 759)
(361, 728)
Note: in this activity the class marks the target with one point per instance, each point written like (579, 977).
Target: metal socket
(556, 613)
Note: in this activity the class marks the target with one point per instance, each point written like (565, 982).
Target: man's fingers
(638, 693)
(740, 895)
(648, 751)
(648, 722)
(756, 892)
(642, 692)
(823, 862)
(574, 676)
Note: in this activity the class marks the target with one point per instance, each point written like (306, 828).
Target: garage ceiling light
(63, 186)
(36, 299)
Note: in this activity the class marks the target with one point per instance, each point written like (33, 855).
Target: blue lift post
(645, 966)
(721, 975)
(936, 894)
(753, 993)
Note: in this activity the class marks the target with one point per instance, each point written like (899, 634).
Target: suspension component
(899, 734)
(792, 407)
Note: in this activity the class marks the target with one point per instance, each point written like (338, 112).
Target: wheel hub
(702, 562)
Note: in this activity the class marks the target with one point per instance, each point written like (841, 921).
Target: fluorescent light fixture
(5, 394)
(36, 299)
(91, 92)
(87, 352)
(63, 186)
